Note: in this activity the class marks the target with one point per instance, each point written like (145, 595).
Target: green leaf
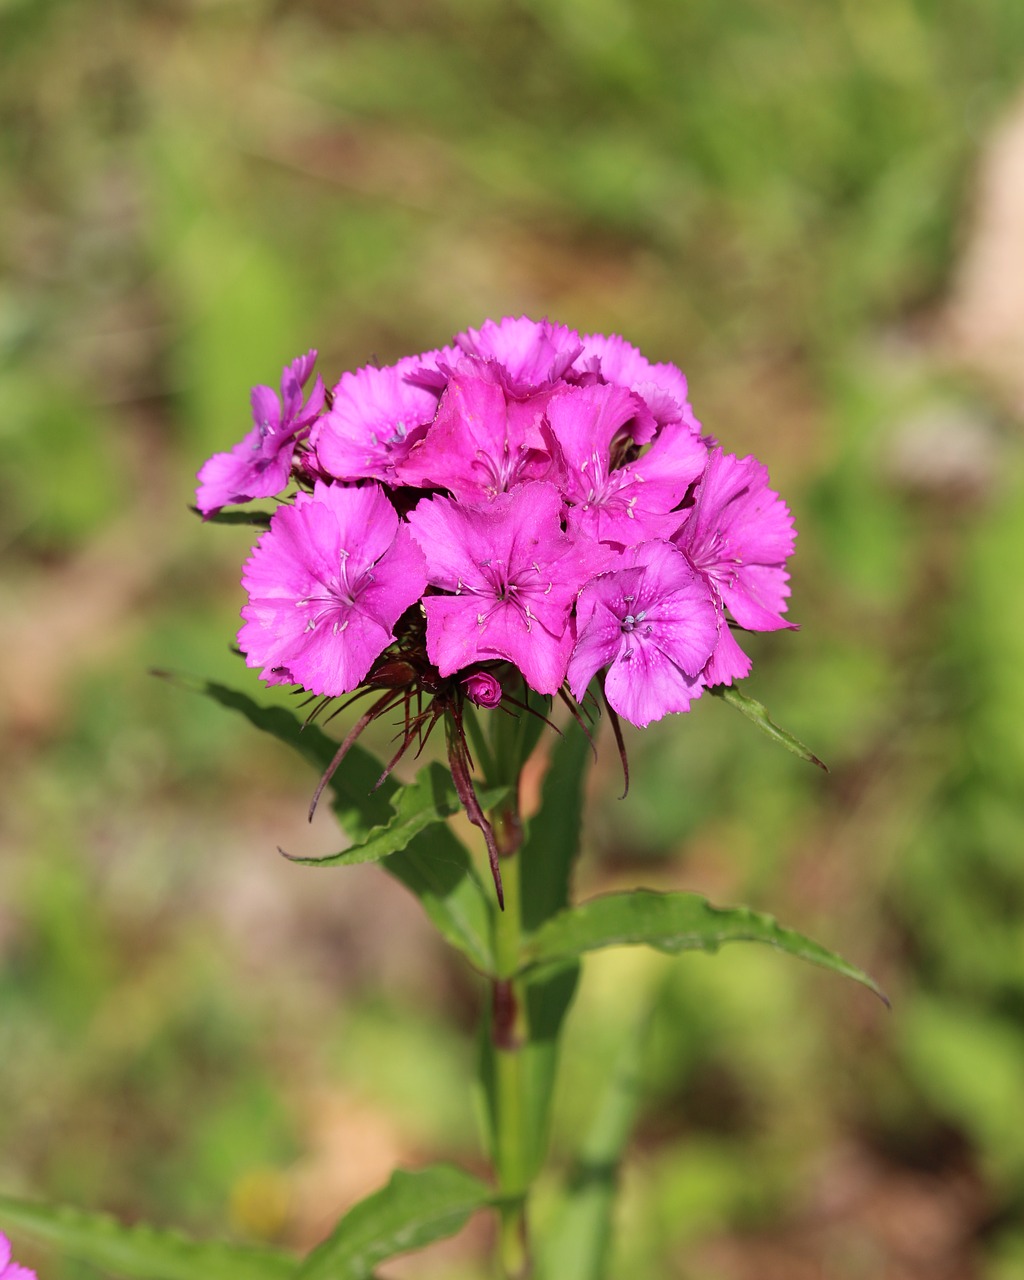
(260, 519)
(670, 922)
(437, 868)
(758, 713)
(139, 1250)
(412, 1211)
(431, 798)
(552, 840)
(576, 1243)
(548, 855)
(359, 807)
(548, 997)
(433, 865)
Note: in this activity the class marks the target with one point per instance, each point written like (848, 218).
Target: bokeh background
(818, 212)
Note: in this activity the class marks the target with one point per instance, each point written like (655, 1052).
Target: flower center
(338, 598)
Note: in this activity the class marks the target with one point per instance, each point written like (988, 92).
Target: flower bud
(482, 689)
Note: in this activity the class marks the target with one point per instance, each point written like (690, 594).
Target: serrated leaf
(758, 713)
(142, 1251)
(359, 807)
(412, 1211)
(435, 866)
(671, 922)
(429, 799)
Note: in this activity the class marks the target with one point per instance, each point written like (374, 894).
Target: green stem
(509, 1032)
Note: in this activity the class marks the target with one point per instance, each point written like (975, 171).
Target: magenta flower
(623, 504)
(483, 441)
(654, 625)
(259, 465)
(327, 582)
(739, 534)
(662, 386)
(532, 354)
(513, 576)
(482, 689)
(376, 418)
(10, 1270)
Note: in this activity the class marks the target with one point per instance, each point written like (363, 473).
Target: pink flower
(259, 465)
(327, 582)
(662, 386)
(653, 624)
(532, 354)
(512, 575)
(629, 502)
(12, 1270)
(483, 441)
(376, 418)
(739, 534)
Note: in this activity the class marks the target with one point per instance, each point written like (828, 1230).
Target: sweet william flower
(483, 441)
(662, 387)
(509, 576)
(738, 535)
(521, 503)
(653, 624)
(9, 1269)
(530, 354)
(377, 415)
(327, 583)
(260, 464)
(630, 502)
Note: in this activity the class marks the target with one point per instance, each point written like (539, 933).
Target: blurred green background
(786, 199)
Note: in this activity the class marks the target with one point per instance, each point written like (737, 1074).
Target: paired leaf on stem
(430, 799)
(671, 922)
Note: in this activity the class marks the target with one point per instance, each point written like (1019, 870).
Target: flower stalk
(510, 1032)
(528, 513)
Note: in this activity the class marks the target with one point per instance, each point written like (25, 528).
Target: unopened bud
(482, 689)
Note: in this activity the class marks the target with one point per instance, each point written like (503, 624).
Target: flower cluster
(526, 509)
(538, 501)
